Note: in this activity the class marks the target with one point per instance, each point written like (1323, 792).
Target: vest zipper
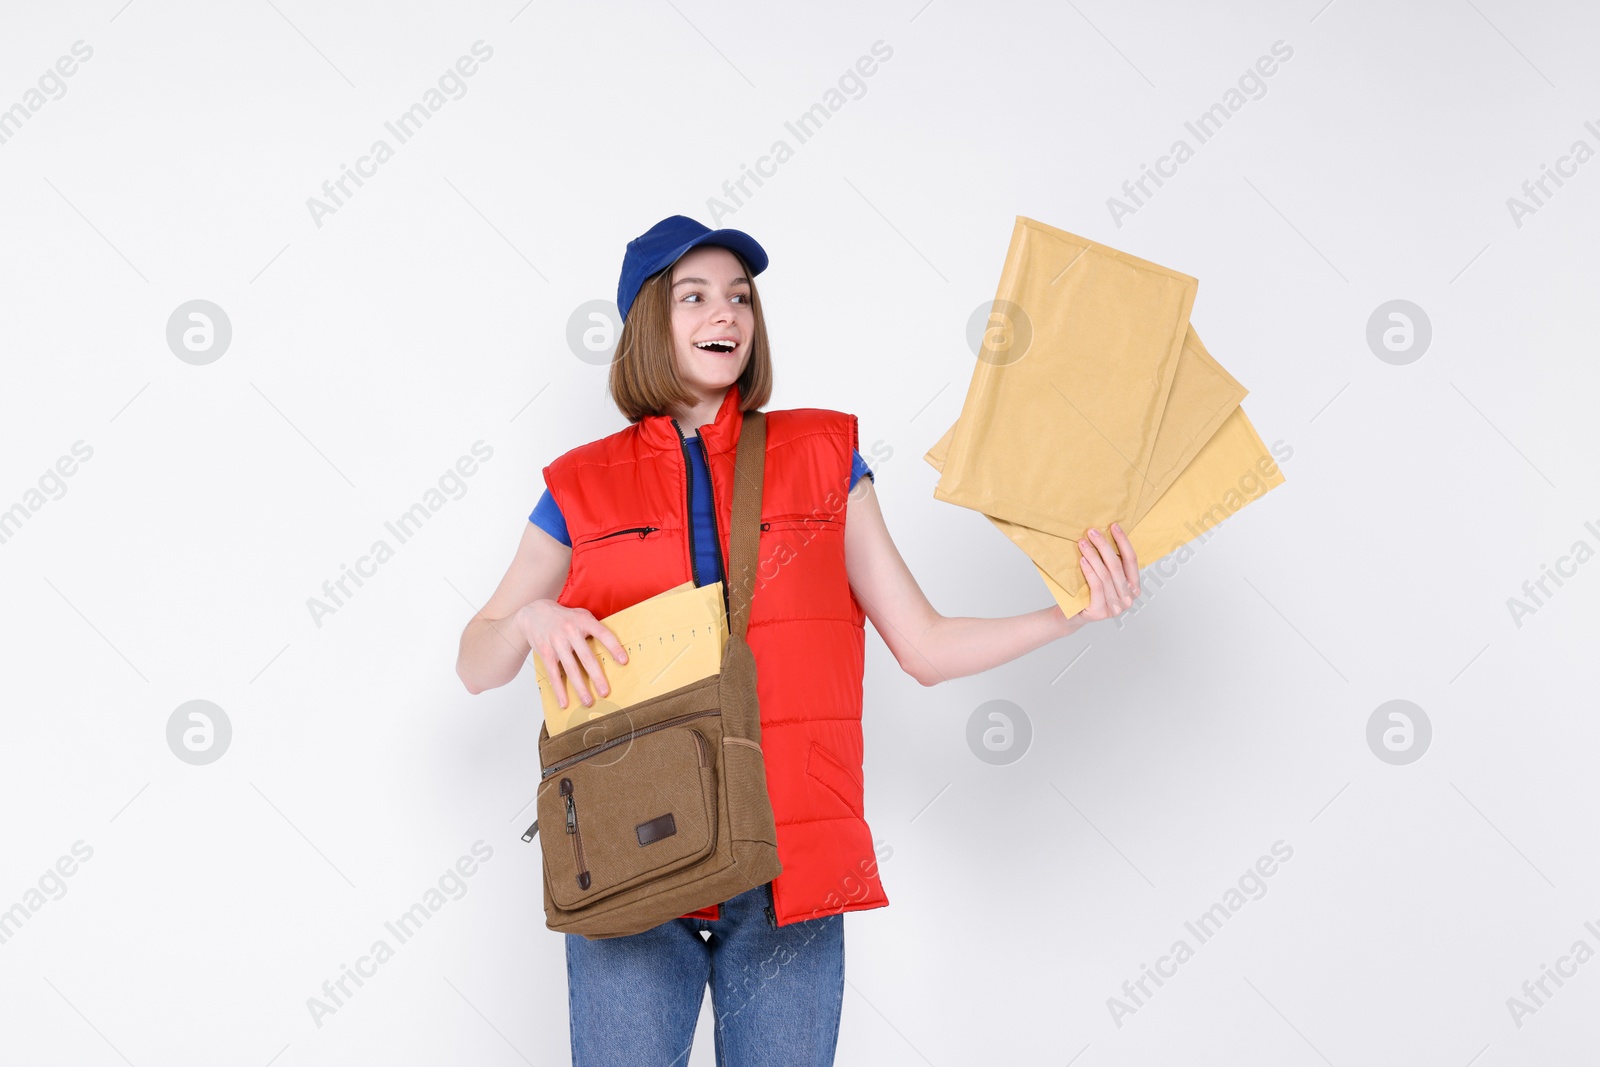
(594, 750)
(716, 539)
(716, 542)
(642, 531)
(688, 501)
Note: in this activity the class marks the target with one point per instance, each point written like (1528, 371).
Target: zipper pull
(528, 834)
(572, 811)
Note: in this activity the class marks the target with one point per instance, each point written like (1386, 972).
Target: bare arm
(933, 648)
(493, 646)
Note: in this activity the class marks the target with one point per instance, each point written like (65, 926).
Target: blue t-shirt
(708, 556)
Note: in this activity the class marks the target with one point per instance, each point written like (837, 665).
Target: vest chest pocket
(659, 812)
(814, 523)
(622, 536)
(627, 560)
(806, 552)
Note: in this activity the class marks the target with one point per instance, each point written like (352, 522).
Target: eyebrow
(702, 281)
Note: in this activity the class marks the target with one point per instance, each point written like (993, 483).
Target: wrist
(1066, 624)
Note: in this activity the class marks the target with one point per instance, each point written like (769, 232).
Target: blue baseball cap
(660, 246)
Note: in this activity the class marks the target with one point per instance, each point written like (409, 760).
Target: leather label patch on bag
(657, 828)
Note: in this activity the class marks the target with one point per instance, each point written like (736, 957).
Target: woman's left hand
(1112, 572)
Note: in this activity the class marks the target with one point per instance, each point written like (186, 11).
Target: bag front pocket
(636, 807)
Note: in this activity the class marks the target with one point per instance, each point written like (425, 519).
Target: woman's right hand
(559, 636)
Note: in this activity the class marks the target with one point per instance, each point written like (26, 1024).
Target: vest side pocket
(826, 769)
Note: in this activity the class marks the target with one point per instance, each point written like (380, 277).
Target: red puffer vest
(626, 502)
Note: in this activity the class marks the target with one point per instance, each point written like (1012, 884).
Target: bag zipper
(642, 531)
(577, 837)
(593, 750)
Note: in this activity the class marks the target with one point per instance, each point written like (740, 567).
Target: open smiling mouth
(723, 347)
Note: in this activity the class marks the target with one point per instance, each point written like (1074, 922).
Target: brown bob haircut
(644, 370)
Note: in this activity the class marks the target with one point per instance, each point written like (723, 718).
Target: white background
(432, 311)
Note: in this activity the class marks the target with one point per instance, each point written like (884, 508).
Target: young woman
(648, 508)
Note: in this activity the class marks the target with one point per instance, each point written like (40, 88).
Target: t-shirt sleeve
(858, 467)
(547, 516)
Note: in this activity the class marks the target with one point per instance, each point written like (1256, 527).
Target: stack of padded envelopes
(1097, 403)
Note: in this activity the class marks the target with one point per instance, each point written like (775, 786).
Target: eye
(742, 297)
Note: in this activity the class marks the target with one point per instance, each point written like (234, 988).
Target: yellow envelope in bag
(673, 638)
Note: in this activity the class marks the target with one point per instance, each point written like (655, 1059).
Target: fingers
(569, 670)
(582, 631)
(1099, 579)
(609, 639)
(1110, 566)
(554, 673)
(1130, 559)
(591, 667)
(1096, 608)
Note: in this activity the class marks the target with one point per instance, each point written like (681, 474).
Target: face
(710, 302)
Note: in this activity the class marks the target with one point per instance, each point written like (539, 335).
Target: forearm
(954, 646)
(492, 652)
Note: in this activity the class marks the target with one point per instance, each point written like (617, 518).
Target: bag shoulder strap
(749, 469)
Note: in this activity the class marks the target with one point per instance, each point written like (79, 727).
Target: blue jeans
(776, 991)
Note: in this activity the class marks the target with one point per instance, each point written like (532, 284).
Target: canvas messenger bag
(661, 808)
